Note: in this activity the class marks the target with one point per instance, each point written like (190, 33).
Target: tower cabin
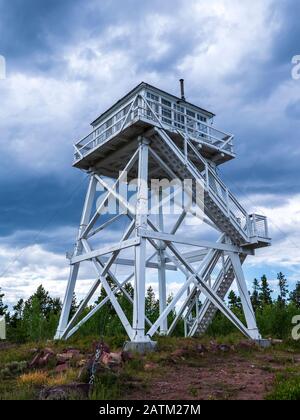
(137, 113)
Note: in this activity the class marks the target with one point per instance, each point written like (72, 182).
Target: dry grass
(37, 378)
(42, 378)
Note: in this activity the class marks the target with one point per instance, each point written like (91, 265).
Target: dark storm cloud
(286, 43)
(33, 31)
(40, 203)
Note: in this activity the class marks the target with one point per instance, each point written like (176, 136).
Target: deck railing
(253, 226)
(174, 120)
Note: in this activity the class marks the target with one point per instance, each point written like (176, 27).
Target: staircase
(208, 310)
(219, 203)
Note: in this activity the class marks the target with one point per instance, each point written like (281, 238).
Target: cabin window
(166, 103)
(179, 120)
(152, 97)
(167, 115)
(201, 118)
(179, 108)
(190, 113)
(155, 108)
(190, 120)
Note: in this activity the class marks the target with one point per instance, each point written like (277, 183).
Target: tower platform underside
(110, 155)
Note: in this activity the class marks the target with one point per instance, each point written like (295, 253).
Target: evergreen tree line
(274, 314)
(37, 318)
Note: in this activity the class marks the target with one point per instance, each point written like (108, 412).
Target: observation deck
(146, 107)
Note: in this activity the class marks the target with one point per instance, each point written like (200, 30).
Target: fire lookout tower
(151, 134)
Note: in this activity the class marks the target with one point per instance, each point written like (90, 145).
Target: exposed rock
(201, 348)
(111, 359)
(65, 392)
(246, 345)
(82, 363)
(76, 354)
(33, 351)
(276, 341)
(178, 353)
(126, 356)
(150, 366)
(46, 359)
(62, 368)
(224, 348)
(104, 347)
(49, 350)
(41, 359)
(64, 357)
(34, 361)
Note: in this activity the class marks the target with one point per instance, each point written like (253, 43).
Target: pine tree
(151, 305)
(234, 301)
(18, 310)
(3, 308)
(42, 302)
(74, 306)
(16, 329)
(295, 296)
(265, 295)
(255, 295)
(283, 289)
(56, 306)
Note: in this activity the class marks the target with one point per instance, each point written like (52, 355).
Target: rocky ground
(180, 369)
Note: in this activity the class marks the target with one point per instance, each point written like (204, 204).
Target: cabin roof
(146, 85)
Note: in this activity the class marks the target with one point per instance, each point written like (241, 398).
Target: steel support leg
(140, 250)
(86, 214)
(245, 297)
(162, 269)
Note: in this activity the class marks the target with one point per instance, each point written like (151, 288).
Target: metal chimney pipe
(182, 89)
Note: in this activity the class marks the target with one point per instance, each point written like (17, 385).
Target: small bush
(12, 369)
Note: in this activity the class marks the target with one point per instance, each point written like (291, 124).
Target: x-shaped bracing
(140, 231)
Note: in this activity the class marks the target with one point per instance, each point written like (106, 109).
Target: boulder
(201, 349)
(41, 359)
(64, 357)
(111, 359)
(224, 348)
(62, 368)
(150, 366)
(126, 356)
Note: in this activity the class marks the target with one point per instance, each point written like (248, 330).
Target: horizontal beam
(202, 244)
(131, 263)
(194, 256)
(106, 250)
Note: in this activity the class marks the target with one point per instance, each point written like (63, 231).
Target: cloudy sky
(69, 60)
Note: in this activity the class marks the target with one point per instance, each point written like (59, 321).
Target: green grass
(286, 387)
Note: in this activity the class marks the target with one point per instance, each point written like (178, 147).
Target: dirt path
(231, 377)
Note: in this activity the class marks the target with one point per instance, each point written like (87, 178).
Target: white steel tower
(157, 142)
